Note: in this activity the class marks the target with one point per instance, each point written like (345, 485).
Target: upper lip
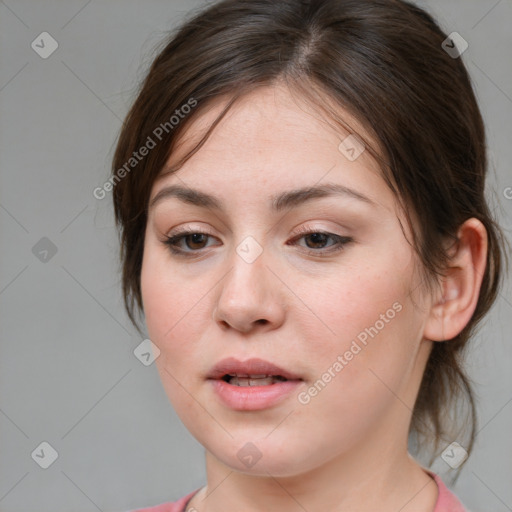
(252, 366)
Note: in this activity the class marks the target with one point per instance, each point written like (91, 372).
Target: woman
(305, 230)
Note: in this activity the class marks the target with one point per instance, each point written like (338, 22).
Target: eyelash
(341, 241)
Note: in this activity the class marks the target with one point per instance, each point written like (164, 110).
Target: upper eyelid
(301, 233)
(186, 230)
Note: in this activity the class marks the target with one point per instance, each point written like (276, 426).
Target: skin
(347, 448)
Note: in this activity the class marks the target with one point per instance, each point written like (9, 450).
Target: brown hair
(380, 60)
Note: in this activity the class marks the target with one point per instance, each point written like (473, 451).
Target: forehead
(268, 140)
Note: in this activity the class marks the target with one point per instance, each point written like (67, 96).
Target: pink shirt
(446, 501)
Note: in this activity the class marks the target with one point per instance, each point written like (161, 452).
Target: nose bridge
(246, 279)
(247, 294)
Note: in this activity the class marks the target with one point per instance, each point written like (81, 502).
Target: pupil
(196, 239)
(316, 236)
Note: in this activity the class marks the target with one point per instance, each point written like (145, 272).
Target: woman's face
(321, 284)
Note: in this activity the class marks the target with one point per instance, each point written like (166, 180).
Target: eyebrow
(283, 201)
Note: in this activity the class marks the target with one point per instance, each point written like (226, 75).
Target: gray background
(68, 375)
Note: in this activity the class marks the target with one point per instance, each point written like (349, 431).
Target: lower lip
(253, 398)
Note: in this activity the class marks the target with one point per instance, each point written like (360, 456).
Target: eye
(188, 242)
(317, 241)
(194, 240)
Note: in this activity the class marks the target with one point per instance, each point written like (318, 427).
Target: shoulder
(446, 500)
(175, 506)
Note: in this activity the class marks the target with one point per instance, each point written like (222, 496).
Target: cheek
(170, 304)
(359, 299)
(172, 312)
(370, 335)
(178, 313)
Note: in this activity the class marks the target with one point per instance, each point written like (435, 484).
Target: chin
(263, 457)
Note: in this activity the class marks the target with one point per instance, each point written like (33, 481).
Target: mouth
(253, 384)
(252, 372)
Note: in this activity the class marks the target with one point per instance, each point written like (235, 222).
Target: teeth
(246, 375)
(244, 380)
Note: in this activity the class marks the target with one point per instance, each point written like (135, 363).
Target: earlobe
(459, 289)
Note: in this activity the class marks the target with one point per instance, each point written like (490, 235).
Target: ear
(454, 304)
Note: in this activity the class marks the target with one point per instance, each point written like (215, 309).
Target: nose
(250, 297)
